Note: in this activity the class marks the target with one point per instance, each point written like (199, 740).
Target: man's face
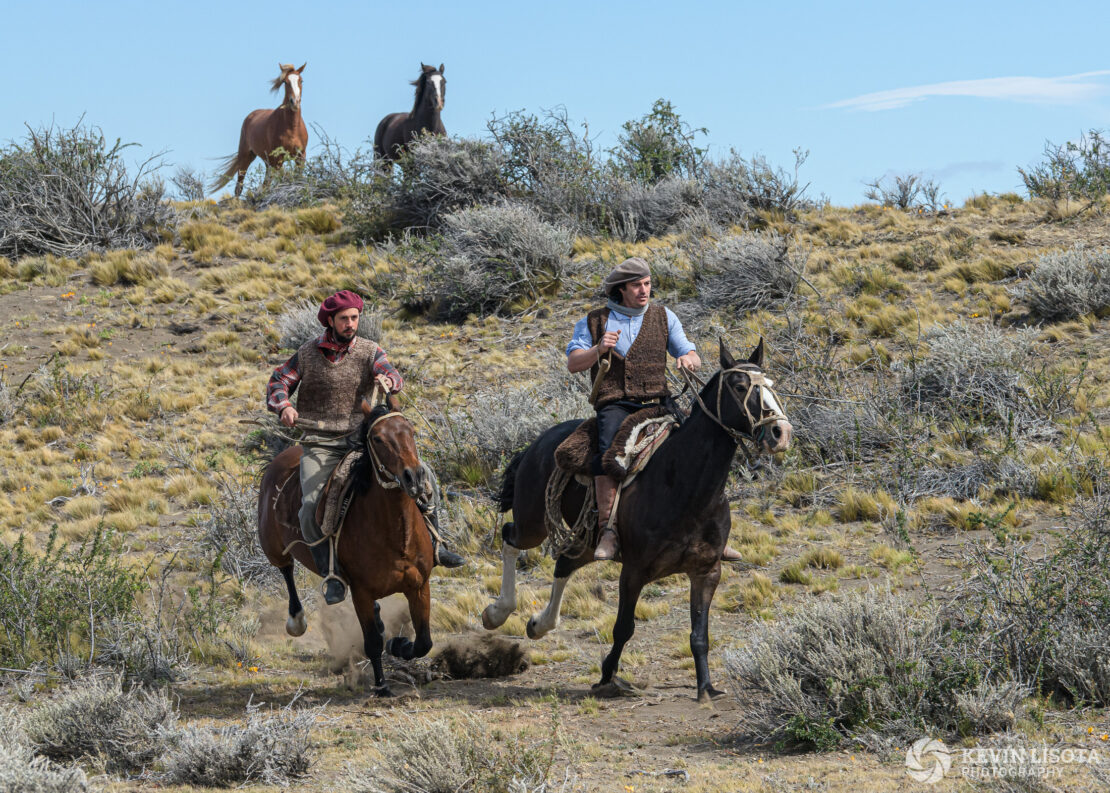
(344, 324)
(636, 294)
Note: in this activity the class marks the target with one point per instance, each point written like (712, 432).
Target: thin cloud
(1067, 90)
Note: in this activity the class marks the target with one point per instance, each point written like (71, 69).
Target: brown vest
(642, 373)
(330, 393)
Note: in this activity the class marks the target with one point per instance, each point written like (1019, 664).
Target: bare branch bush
(494, 256)
(229, 532)
(746, 272)
(1068, 284)
(735, 189)
(637, 210)
(273, 748)
(1073, 171)
(67, 192)
(21, 771)
(96, 719)
(190, 184)
(904, 191)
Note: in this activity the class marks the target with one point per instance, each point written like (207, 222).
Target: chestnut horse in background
(274, 135)
(396, 130)
(383, 544)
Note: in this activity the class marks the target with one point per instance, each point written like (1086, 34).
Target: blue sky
(962, 92)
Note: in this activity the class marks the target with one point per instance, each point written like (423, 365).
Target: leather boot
(441, 556)
(731, 555)
(335, 591)
(608, 547)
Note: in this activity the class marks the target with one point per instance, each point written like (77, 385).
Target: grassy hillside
(946, 427)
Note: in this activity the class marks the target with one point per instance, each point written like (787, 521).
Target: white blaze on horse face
(437, 85)
(770, 403)
(295, 85)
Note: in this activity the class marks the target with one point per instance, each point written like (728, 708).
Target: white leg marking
(499, 610)
(548, 619)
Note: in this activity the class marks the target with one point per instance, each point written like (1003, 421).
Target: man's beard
(344, 338)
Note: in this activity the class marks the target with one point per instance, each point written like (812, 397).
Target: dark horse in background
(274, 135)
(672, 518)
(397, 129)
(383, 546)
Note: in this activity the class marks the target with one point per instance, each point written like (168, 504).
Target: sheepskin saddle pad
(332, 507)
(637, 439)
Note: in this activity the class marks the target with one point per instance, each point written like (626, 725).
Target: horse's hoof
(617, 687)
(530, 629)
(383, 692)
(708, 694)
(296, 626)
(490, 620)
(397, 646)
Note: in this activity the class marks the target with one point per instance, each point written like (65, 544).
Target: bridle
(756, 379)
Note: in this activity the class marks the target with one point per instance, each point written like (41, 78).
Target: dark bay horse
(274, 135)
(383, 544)
(397, 129)
(672, 518)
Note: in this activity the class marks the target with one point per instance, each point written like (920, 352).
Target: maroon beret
(341, 300)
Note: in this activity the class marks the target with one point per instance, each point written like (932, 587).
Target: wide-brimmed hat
(629, 270)
(341, 300)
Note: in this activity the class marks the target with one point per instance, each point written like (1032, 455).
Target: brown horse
(383, 544)
(274, 135)
(396, 130)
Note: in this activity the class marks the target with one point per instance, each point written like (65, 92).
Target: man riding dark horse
(624, 345)
(334, 372)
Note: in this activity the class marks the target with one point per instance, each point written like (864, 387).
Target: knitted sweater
(641, 374)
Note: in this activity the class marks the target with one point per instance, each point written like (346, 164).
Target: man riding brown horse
(625, 343)
(333, 371)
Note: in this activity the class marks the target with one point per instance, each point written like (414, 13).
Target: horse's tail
(230, 166)
(508, 483)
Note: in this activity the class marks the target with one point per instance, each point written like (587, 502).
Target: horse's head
(291, 79)
(746, 403)
(390, 441)
(431, 86)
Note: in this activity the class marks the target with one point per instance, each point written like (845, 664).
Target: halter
(756, 379)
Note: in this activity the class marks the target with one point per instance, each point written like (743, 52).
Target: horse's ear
(423, 67)
(727, 361)
(441, 68)
(302, 67)
(366, 407)
(757, 354)
(393, 403)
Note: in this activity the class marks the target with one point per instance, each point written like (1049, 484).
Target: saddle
(640, 434)
(332, 506)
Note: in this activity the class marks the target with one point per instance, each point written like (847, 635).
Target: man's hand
(289, 416)
(690, 361)
(387, 384)
(608, 341)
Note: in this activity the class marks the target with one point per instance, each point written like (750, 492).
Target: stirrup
(334, 587)
(608, 548)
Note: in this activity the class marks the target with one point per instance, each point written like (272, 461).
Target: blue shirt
(677, 343)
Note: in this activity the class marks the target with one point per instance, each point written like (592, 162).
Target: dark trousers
(609, 420)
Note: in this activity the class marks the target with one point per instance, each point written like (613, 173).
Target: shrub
(299, 324)
(66, 192)
(658, 145)
(1045, 613)
(1068, 284)
(190, 184)
(637, 211)
(55, 604)
(1074, 171)
(494, 256)
(746, 272)
(858, 664)
(548, 164)
(434, 755)
(229, 532)
(273, 748)
(330, 174)
(973, 371)
(9, 402)
(498, 422)
(22, 772)
(96, 719)
(440, 175)
(736, 189)
(905, 192)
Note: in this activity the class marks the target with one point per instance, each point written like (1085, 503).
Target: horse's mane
(280, 79)
(421, 83)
